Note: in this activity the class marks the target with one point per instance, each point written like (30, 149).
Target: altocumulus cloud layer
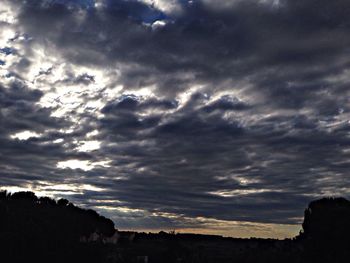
(205, 116)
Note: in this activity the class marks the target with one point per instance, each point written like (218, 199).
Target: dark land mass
(41, 229)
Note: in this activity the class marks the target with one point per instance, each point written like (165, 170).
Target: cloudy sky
(205, 116)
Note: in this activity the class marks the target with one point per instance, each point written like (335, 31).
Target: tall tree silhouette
(326, 230)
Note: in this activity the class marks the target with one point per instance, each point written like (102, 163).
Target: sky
(207, 116)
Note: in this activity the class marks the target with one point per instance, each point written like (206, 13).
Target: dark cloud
(246, 116)
(195, 153)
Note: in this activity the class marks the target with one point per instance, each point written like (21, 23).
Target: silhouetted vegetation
(46, 230)
(41, 229)
(326, 231)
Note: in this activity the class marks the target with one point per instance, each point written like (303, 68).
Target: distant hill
(34, 229)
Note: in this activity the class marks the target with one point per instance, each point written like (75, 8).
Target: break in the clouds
(206, 116)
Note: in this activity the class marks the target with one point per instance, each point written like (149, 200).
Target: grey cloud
(194, 148)
(267, 121)
(245, 41)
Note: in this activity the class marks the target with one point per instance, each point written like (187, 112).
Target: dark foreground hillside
(36, 229)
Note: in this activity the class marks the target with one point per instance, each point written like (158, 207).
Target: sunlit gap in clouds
(25, 135)
(53, 190)
(199, 225)
(84, 165)
(242, 192)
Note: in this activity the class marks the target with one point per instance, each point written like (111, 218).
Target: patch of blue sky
(152, 16)
(80, 3)
(6, 50)
(136, 10)
(185, 2)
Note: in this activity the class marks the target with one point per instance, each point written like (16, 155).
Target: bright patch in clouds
(166, 6)
(25, 135)
(89, 146)
(71, 187)
(7, 14)
(44, 188)
(14, 189)
(158, 24)
(240, 192)
(84, 165)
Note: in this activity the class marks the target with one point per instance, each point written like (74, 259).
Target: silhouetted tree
(42, 229)
(326, 230)
(62, 202)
